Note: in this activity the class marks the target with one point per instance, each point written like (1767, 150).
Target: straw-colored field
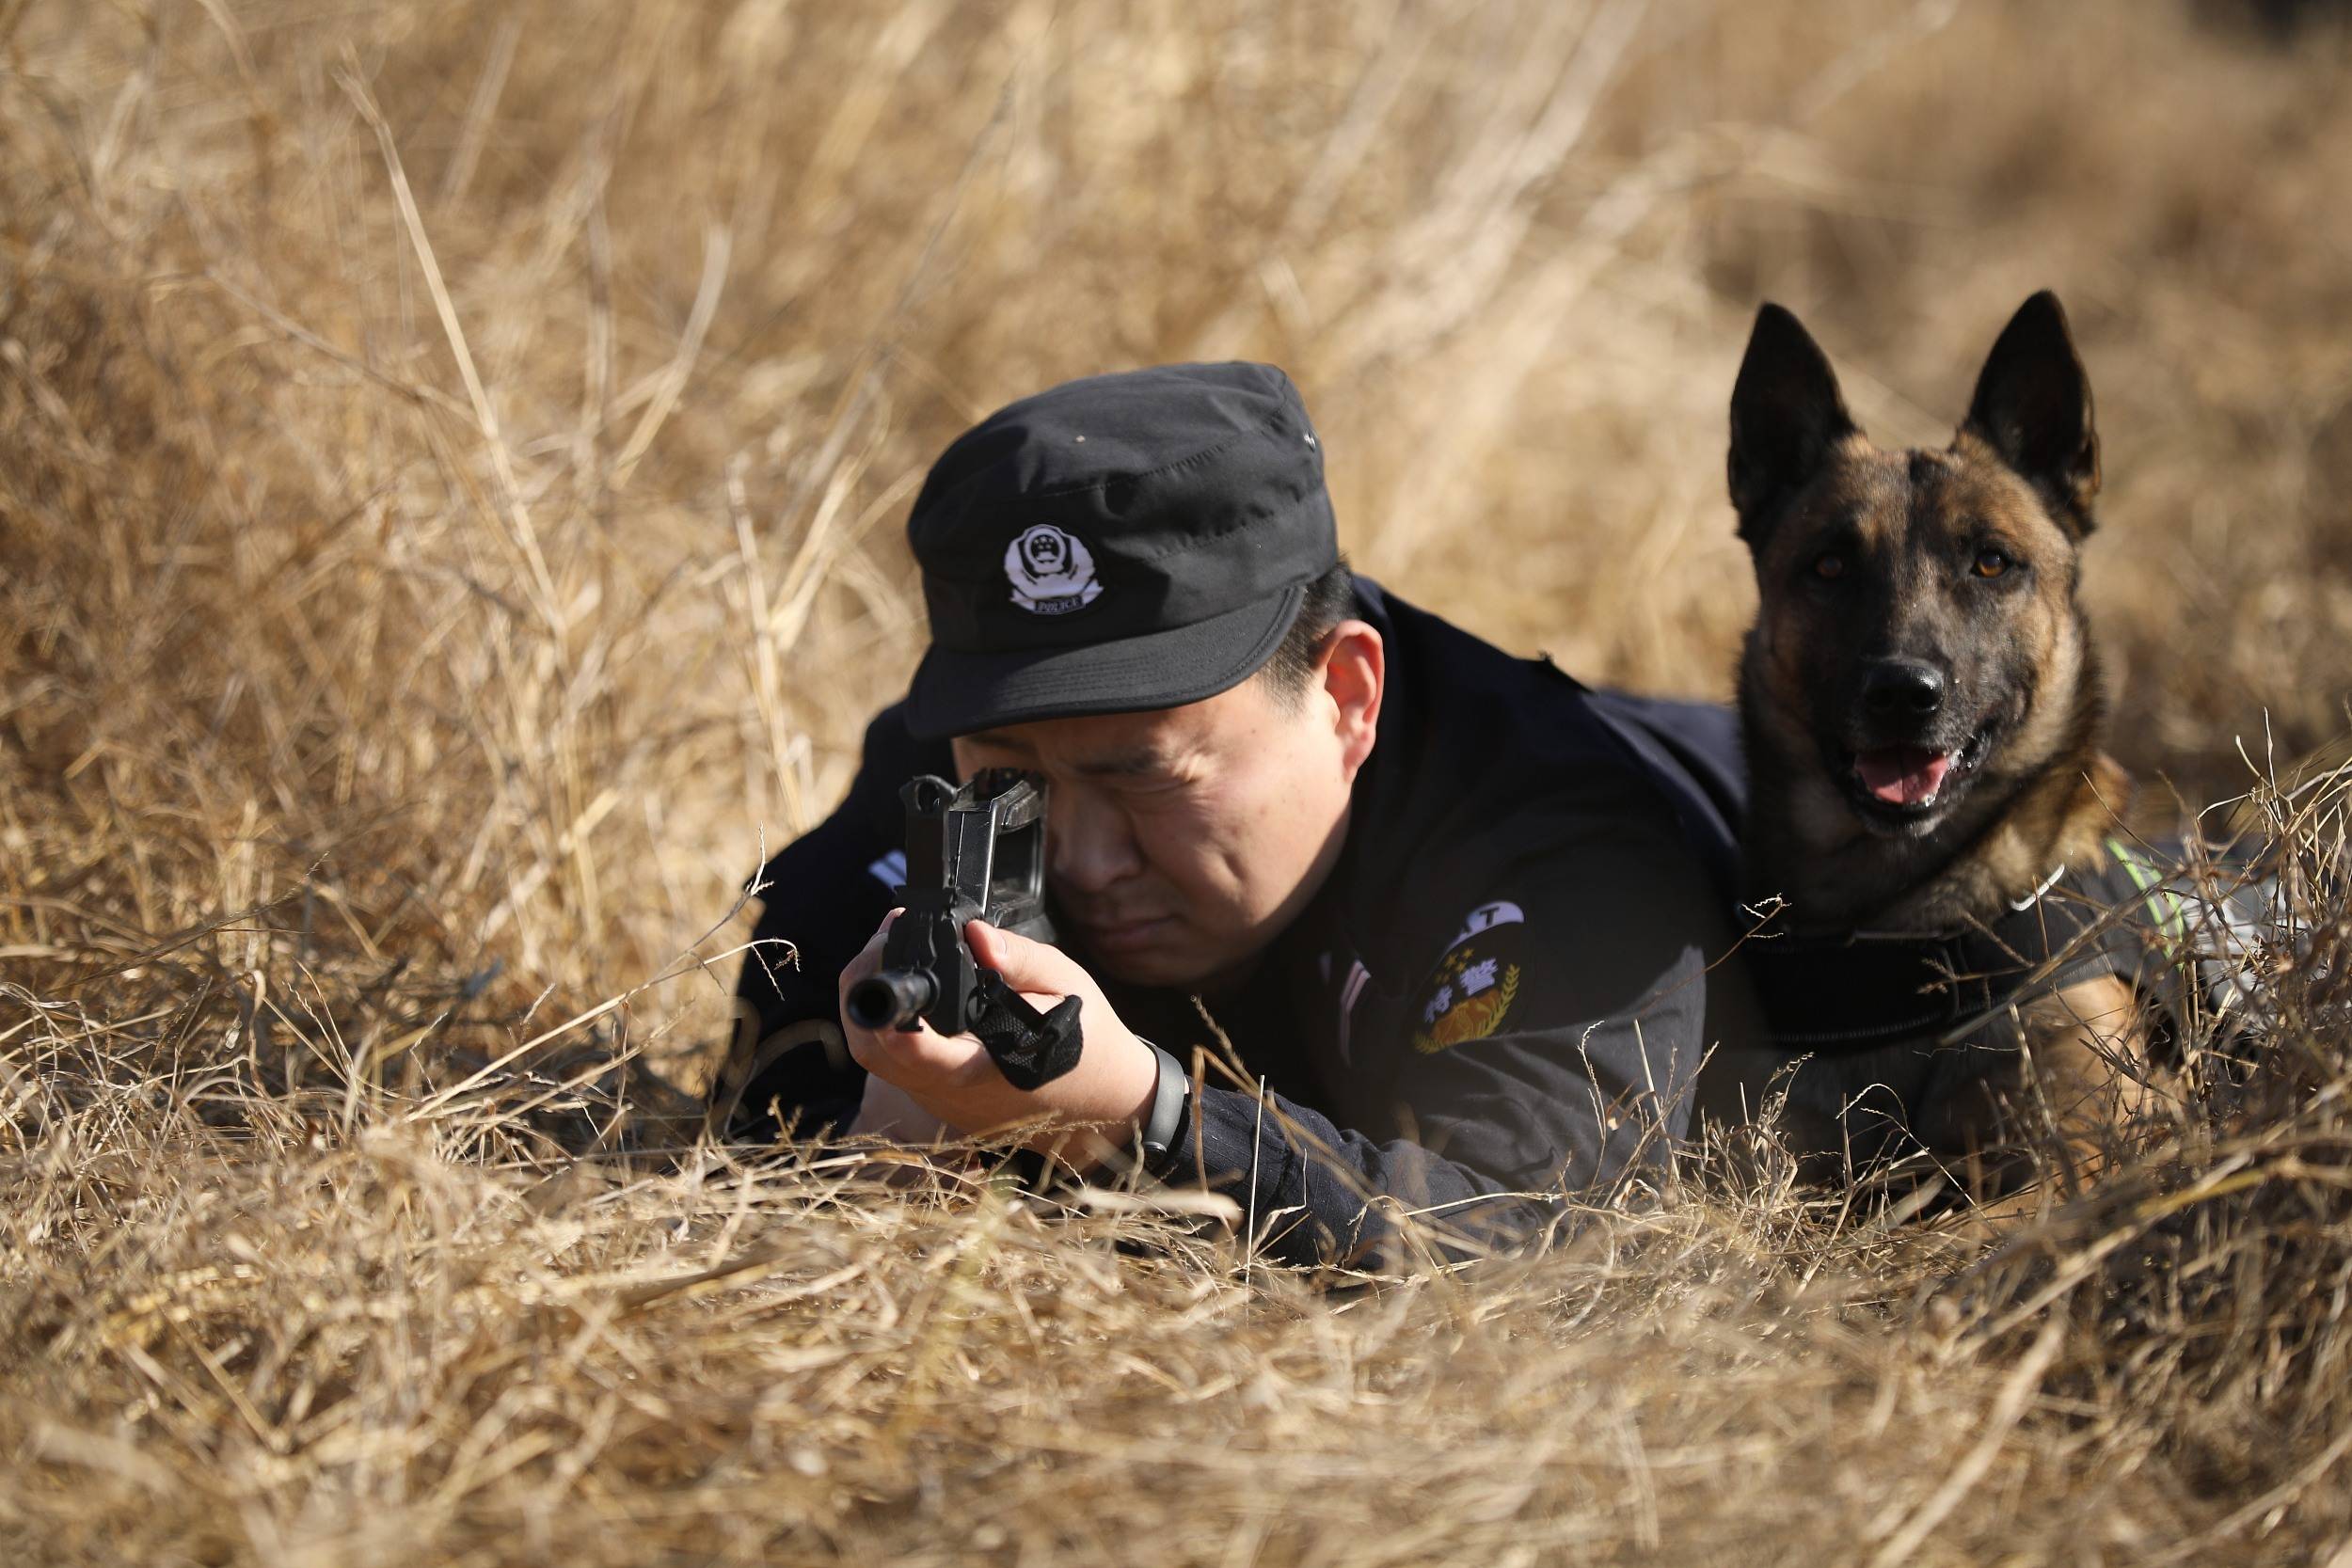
(451, 462)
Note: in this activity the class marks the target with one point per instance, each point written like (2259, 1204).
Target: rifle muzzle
(892, 999)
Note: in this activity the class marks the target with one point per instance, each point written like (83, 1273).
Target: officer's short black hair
(1331, 599)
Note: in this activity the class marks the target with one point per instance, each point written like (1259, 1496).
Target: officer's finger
(1030, 967)
(920, 1059)
(869, 956)
(889, 1053)
(894, 1052)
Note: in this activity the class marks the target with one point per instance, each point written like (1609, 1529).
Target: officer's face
(1184, 840)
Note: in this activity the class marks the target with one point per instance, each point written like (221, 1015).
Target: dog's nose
(1902, 688)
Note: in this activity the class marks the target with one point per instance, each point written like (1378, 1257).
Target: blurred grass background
(450, 464)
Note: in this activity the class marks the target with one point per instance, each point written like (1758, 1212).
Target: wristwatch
(1165, 1127)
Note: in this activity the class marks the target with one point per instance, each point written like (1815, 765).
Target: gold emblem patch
(1472, 994)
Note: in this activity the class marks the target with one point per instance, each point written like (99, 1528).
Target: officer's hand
(1094, 1107)
(888, 1111)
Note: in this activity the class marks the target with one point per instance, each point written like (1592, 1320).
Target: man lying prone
(1454, 909)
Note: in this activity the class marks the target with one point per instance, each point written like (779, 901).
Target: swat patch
(1485, 918)
(1472, 993)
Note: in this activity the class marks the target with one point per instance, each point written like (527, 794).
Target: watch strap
(1166, 1124)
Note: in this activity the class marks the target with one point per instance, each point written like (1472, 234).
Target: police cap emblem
(1051, 571)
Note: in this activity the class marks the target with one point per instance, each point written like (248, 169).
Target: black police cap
(1119, 543)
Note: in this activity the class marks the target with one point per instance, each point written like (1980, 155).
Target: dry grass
(450, 460)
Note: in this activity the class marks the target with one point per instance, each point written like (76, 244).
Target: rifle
(972, 853)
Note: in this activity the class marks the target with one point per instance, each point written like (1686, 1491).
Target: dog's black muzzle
(1910, 744)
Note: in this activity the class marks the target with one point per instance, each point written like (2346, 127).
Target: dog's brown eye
(1991, 564)
(1829, 565)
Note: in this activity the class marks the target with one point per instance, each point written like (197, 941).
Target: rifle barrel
(891, 999)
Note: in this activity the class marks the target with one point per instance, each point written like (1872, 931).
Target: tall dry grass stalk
(450, 460)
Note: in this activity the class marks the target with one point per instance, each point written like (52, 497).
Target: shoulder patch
(1472, 993)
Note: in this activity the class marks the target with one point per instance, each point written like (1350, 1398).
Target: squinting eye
(1829, 565)
(1992, 564)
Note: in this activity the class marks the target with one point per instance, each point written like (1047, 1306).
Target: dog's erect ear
(2033, 407)
(1786, 414)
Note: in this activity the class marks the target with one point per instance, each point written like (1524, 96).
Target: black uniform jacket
(1501, 994)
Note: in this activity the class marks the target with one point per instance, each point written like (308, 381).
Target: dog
(1923, 718)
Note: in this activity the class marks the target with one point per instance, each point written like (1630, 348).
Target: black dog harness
(2134, 918)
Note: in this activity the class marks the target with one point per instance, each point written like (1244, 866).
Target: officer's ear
(1352, 675)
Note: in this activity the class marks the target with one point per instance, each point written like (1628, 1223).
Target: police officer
(1456, 911)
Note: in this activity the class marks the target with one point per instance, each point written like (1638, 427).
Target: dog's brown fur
(1954, 570)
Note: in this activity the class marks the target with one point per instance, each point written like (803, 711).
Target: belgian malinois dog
(1923, 715)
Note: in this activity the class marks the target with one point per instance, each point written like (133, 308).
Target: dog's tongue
(1903, 775)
